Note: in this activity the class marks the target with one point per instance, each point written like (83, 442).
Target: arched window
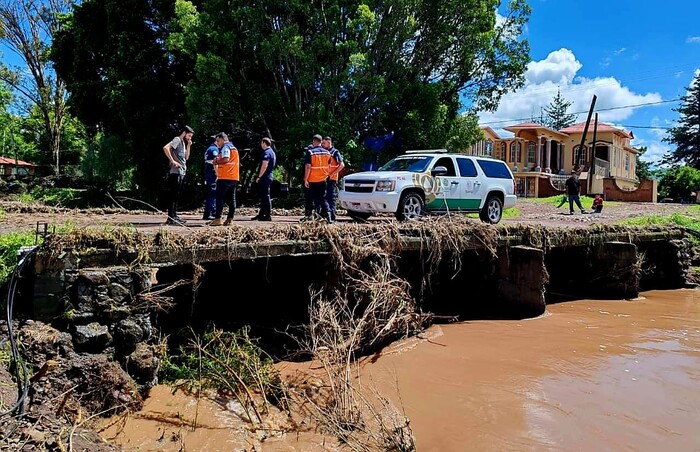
(580, 155)
(501, 151)
(489, 147)
(530, 152)
(515, 152)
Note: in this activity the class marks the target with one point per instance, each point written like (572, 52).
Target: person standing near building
(264, 180)
(210, 181)
(177, 151)
(316, 165)
(573, 189)
(227, 165)
(334, 169)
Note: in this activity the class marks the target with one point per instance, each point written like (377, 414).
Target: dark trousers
(226, 194)
(265, 201)
(317, 190)
(209, 196)
(331, 196)
(308, 201)
(575, 199)
(174, 186)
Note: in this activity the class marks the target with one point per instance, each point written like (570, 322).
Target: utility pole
(591, 166)
(585, 127)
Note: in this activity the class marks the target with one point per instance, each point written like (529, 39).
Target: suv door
(471, 190)
(446, 190)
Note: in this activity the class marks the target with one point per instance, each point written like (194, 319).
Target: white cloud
(619, 51)
(558, 71)
(559, 67)
(693, 40)
(656, 150)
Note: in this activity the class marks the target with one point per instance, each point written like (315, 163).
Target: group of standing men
(221, 177)
(322, 166)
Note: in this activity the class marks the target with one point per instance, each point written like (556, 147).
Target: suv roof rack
(427, 151)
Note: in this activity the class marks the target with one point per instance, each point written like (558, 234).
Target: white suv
(431, 181)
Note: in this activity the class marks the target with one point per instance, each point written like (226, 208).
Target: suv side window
(495, 169)
(466, 167)
(447, 163)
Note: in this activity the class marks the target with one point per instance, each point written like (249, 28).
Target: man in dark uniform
(336, 166)
(264, 180)
(210, 181)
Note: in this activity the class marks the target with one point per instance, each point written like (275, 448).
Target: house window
(531, 152)
(515, 152)
(489, 147)
(627, 161)
(580, 155)
(501, 151)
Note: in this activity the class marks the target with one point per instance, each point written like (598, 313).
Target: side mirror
(439, 171)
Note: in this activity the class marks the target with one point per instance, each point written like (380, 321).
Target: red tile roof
(602, 127)
(530, 126)
(9, 161)
(527, 125)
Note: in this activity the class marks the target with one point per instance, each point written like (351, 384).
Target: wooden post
(591, 167)
(588, 120)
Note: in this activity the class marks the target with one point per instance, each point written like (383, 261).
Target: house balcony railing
(602, 167)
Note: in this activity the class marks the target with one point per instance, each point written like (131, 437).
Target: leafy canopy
(686, 135)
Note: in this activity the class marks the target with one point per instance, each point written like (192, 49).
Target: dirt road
(19, 216)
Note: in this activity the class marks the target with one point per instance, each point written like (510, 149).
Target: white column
(538, 154)
(548, 157)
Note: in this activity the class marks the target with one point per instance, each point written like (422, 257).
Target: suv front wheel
(411, 206)
(492, 210)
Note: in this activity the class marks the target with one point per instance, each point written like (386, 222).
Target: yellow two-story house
(542, 159)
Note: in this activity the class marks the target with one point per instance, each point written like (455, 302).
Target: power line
(646, 104)
(646, 127)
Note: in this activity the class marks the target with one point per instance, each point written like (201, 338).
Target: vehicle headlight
(385, 185)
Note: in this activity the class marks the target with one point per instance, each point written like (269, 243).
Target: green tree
(686, 135)
(555, 114)
(679, 182)
(124, 85)
(643, 168)
(351, 69)
(27, 28)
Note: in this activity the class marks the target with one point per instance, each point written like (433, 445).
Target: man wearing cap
(316, 167)
(210, 180)
(227, 176)
(264, 180)
(177, 151)
(334, 169)
(573, 189)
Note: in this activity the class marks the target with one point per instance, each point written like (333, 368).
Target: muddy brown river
(587, 375)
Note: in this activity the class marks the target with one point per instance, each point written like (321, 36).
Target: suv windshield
(414, 164)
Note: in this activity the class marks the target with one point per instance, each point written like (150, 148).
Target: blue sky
(624, 52)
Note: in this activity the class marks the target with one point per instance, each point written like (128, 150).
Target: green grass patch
(9, 246)
(57, 197)
(689, 219)
(226, 361)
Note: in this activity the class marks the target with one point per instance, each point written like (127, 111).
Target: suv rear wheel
(411, 207)
(492, 210)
